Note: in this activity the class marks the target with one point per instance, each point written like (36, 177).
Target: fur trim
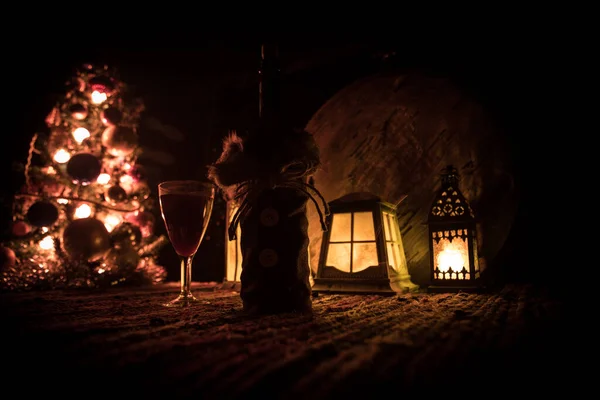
(263, 157)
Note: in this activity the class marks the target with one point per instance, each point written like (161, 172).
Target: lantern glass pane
(386, 226)
(451, 257)
(364, 255)
(390, 224)
(394, 257)
(363, 226)
(395, 249)
(472, 235)
(341, 227)
(338, 256)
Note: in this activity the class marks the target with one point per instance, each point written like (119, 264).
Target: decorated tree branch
(84, 216)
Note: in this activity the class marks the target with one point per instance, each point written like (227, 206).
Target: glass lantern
(452, 239)
(362, 251)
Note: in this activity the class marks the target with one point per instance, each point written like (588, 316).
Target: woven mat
(123, 342)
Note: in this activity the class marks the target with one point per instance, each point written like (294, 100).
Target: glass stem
(186, 275)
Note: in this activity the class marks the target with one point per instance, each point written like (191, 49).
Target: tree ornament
(8, 258)
(142, 191)
(111, 116)
(86, 239)
(78, 111)
(20, 228)
(84, 168)
(42, 213)
(102, 84)
(126, 234)
(115, 194)
(144, 220)
(120, 141)
(125, 258)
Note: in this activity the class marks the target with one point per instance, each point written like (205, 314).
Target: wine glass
(186, 207)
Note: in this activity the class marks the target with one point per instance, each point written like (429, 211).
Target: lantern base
(379, 286)
(454, 289)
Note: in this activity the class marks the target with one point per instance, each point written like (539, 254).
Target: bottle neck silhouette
(269, 106)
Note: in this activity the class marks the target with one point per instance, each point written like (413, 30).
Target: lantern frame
(451, 218)
(381, 278)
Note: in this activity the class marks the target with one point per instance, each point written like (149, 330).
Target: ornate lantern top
(449, 203)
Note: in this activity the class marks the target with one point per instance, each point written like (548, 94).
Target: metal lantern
(362, 249)
(452, 238)
(233, 252)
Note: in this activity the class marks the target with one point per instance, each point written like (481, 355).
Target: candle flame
(452, 255)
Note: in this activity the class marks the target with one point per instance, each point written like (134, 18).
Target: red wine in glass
(186, 208)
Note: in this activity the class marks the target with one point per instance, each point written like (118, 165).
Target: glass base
(185, 301)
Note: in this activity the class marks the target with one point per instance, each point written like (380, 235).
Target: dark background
(203, 85)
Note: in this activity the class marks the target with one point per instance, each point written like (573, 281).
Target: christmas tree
(84, 215)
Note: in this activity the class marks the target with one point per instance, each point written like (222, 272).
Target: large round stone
(391, 135)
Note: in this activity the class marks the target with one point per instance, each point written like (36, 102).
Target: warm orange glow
(352, 246)
(83, 211)
(46, 243)
(126, 179)
(451, 255)
(98, 97)
(450, 258)
(111, 221)
(62, 156)
(103, 178)
(80, 134)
